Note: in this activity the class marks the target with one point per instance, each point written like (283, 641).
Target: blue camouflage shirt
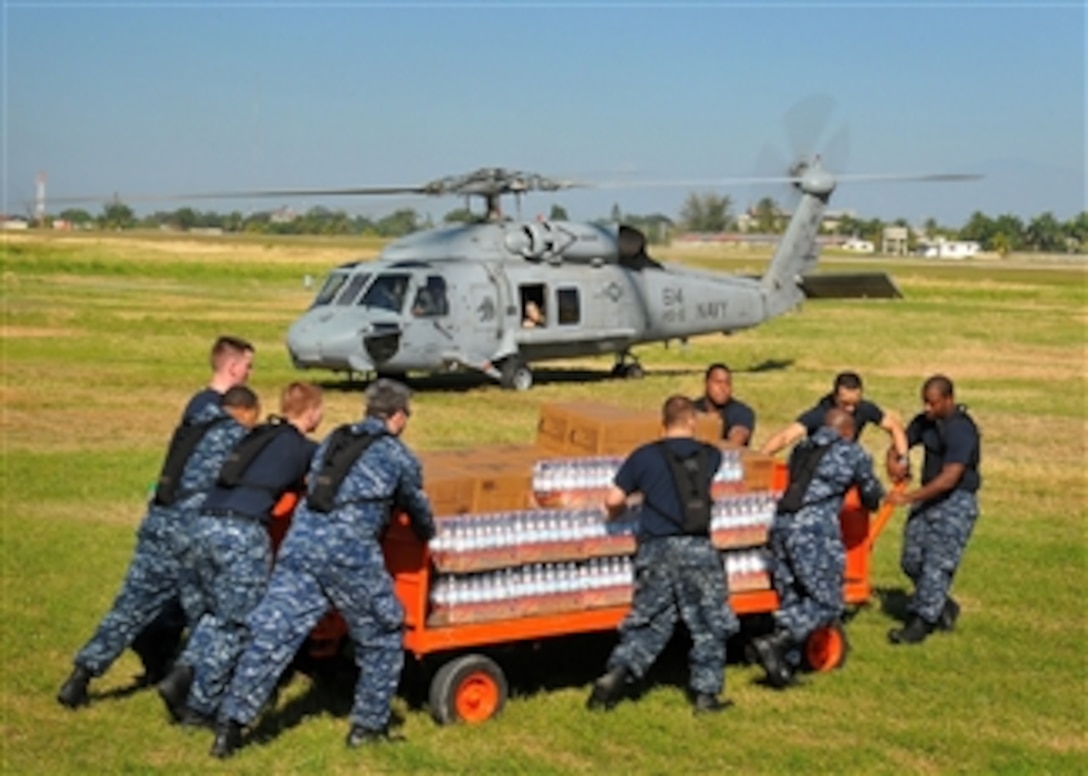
(386, 475)
(844, 465)
(200, 471)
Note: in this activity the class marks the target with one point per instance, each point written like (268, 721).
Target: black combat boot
(191, 718)
(608, 690)
(914, 632)
(772, 656)
(73, 693)
(705, 703)
(174, 690)
(949, 615)
(361, 736)
(228, 739)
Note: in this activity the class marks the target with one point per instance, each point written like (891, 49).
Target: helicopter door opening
(534, 313)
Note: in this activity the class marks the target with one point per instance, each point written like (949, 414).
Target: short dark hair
(851, 381)
(226, 345)
(715, 367)
(840, 420)
(939, 383)
(386, 397)
(240, 397)
(675, 409)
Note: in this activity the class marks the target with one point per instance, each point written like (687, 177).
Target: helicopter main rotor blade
(352, 191)
(940, 177)
(694, 182)
(254, 194)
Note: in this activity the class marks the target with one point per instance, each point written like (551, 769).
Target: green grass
(105, 337)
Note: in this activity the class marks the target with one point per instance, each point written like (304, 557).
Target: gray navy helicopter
(499, 295)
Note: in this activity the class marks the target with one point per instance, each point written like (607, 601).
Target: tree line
(701, 213)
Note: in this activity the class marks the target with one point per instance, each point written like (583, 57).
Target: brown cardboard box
(758, 470)
(449, 489)
(499, 485)
(588, 428)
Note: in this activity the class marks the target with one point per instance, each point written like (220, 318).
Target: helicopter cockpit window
(431, 299)
(386, 292)
(570, 307)
(353, 289)
(333, 284)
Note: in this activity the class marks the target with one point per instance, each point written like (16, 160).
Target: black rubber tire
(461, 675)
(516, 374)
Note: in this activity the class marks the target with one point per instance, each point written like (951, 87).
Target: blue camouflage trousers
(808, 564)
(150, 583)
(232, 559)
(302, 589)
(934, 539)
(678, 577)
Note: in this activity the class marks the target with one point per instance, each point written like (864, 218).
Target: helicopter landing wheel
(515, 374)
(628, 370)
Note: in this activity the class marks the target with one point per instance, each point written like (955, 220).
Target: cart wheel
(826, 648)
(470, 688)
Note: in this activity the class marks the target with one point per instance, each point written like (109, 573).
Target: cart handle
(883, 515)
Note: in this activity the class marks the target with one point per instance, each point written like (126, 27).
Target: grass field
(104, 338)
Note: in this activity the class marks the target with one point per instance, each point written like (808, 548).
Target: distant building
(896, 240)
(941, 248)
(13, 222)
(854, 245)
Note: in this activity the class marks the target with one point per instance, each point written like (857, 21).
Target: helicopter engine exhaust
(630, 242)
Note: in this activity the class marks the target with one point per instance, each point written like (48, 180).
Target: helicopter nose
(328, 344)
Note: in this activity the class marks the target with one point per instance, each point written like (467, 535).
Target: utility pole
(39, 200)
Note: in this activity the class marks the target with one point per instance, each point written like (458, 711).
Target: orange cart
(471, 687)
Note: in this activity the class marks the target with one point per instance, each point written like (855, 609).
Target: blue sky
(148, 97)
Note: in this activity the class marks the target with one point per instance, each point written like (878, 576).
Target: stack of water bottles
(747, 569)
(532, 589)
(566, 555)
(503, 539)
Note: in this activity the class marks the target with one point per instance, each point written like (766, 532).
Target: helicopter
(499, 295)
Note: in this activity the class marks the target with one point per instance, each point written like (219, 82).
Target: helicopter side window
(570, 306)
(386, 292)
(332, 286)
(431, 299)
(533, 314)
(353, 289)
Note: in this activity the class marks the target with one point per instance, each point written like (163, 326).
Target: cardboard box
(588, 428)
(451, 491)
(499, 486)
(759, 470)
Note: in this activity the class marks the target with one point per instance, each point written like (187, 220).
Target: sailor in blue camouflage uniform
(943, 510)
(332, 557)
(231, 361)
(232, 554)
(678, 572)
(154, 576)
(808, 556)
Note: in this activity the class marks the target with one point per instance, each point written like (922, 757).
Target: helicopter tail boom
(797, 253)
